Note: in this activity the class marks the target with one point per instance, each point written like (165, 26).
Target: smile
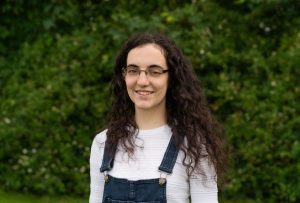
(144, 92)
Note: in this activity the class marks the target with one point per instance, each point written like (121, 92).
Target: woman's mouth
(143, 93)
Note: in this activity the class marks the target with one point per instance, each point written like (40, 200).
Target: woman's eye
(132, 71)
(155, 71)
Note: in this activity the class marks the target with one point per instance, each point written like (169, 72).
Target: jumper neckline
(152, 131)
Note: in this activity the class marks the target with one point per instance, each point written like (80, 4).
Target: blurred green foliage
(56, 60)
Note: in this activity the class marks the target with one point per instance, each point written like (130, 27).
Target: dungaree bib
(119, 190)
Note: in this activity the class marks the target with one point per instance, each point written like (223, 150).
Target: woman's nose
(142, 78)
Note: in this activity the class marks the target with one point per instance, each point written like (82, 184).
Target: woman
(162, 143)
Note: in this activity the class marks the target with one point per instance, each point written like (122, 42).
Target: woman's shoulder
(100, 138)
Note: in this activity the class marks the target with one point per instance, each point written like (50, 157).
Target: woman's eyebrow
(154, 66)
(150, 66)
(132, 65)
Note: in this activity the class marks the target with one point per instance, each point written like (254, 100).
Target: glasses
(151, 71)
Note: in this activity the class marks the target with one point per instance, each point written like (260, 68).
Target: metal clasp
(162, 178)
(106, 179)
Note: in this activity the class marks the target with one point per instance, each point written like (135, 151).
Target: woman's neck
(147, 119)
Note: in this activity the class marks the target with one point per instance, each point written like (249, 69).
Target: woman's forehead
(154, 45)
(145, 54)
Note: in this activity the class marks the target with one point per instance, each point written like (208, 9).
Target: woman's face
(147, 91)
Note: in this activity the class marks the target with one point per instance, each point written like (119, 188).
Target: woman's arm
(97, 178)
(203, 189)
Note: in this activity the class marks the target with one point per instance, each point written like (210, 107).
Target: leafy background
(56, 60)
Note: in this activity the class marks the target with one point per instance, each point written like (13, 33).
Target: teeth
(143, 92)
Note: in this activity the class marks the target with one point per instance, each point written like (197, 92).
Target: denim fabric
(170, 157)
(118, 190)
(108, 160)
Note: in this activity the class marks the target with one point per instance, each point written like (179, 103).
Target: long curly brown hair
(196, 131)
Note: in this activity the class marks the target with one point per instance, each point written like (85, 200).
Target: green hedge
(56, 61)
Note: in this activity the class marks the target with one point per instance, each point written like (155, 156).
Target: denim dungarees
(119, 190)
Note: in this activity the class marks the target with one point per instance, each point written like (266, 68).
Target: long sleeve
(97, 179)
(144, 165)
(202, 189)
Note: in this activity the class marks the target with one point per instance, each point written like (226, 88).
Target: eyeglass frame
(146, 71)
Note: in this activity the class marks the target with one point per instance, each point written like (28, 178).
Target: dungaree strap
(108, 160)
(166, 165)
(170, 157)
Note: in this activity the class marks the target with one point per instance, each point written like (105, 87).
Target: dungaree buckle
(106, 179)
(162, 178)
(162, 181)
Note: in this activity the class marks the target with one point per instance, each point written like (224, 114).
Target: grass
(27, 198)
(237, 201)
